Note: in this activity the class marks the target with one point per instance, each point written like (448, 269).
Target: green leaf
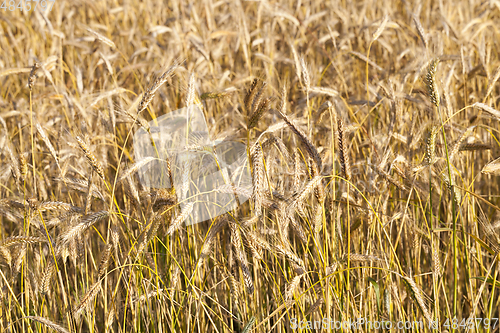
(489, 280)
(377, 290)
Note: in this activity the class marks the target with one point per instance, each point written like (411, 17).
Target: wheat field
(371, 144)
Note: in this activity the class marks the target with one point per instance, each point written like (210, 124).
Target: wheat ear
(176, 224)
(343, 152)
(91, 157)
(48, 323)
(87, 298)
(416, 294)
(310, 148)
(151, 91)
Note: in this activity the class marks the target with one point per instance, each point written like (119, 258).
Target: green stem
(455, 250)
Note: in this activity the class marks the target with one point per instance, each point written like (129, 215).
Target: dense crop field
(367, 134)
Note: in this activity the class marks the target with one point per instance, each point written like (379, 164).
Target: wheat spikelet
(297, 228)
(343, 152)
(34, 69)
(279, 248)
(91, 157)
(81, 185)
(251, 95)
(150, 230)
(86, 222)
(110, 318)
(132, 191)
(240, 256)
(248, 326)
(252, 245)
(19, 258)
(305, 75)
(458, 143)
(103, 264)
(235, 288)
(380, 28)
(310, 148)
(282, 106)
(315, 306)
(175, 277)
(283, 221)
(281, 145)
(14, 162)
(310, 186)
(210, 238)
(185, 212)
(359, 257)
(236, 242)
(331, 269)
(263, 107)
(216, 95)
(319, 191)
(363, 58)
(151, 91)
(46, 276)
(318, 218)
(430, 81)
(229, 188)
(247, 277)
(387, 301)
(257, 177)
(185, 179)
(389, 178)
(48, 323)
(474, 146)
(416, 294)
(324, 91)
(292, 287)
(136, 166)
(436, 262)
(257, 100)
(21, 240)
(87, 299)
(47, 142)
(101, 38)
(489, 230)
(430, 152)
(23, 166)
(420, 30)
(5, 254)
(483, 107)
(58, 206)
(258, 241)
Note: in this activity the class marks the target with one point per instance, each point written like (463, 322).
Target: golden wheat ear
(94, 163)
(251, 93)
(430, 81)
(343, 152)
